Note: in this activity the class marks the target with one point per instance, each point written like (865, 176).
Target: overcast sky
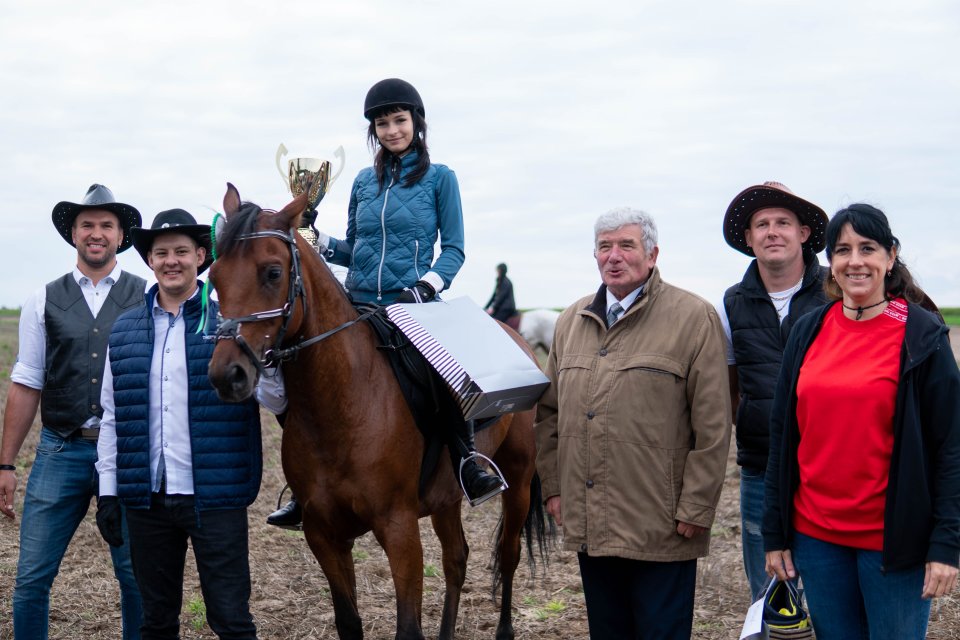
(549, 112)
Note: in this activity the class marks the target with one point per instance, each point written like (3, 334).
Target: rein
(229, 328)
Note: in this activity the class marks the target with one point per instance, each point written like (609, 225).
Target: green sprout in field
(197, 609)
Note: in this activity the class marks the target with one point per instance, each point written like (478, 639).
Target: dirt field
(290, 597)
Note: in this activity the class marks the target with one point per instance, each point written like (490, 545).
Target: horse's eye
(274, 274)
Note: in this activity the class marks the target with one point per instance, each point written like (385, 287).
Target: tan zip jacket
(634, 430)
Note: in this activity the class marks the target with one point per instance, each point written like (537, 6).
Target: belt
(87, 434)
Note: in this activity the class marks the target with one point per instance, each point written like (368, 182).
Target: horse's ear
(231, 200)
(292, 212)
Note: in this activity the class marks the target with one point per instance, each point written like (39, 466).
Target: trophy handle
(281, 152)
(343, 161)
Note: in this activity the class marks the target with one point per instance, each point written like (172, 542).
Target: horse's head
(260, 289)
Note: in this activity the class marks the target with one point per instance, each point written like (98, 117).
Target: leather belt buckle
(90, 435)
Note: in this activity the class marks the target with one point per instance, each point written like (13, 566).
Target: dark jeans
(158, 545)
(636, 599)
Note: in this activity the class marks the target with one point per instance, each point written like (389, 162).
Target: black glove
(109, 520)
(421, 291)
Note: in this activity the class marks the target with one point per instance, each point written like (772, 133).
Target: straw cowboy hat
(768, 195)
(174, 221)
(98, 197)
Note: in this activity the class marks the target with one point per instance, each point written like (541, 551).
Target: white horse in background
(537, 326)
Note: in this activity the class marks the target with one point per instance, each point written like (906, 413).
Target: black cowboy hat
(98, 197)
(767, 195)
(174, 221)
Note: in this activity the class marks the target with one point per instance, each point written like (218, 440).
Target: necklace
(781, 302)
(781, 308)
(860, 310)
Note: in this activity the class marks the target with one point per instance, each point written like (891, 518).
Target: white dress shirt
(628, 299)
(31, 365)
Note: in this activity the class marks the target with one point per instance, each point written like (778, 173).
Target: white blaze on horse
(537, 327)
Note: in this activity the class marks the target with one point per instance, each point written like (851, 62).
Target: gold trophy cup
(313, 177)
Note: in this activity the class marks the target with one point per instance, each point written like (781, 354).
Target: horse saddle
(426, 394)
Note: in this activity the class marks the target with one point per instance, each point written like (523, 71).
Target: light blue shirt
(169, 411)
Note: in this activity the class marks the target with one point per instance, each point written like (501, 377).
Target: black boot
(478, 485)
(289, 516)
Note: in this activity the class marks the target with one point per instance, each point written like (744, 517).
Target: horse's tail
(538, 532)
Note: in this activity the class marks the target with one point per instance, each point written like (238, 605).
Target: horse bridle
(229, 328)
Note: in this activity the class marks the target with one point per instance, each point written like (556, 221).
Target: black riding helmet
(392, 91)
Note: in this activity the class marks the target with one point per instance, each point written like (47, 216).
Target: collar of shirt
(110, 279)
(628, 299)
(159, 311)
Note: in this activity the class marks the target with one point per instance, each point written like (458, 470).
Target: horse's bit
(229, 328)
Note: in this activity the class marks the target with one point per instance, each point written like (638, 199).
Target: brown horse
(351, 450)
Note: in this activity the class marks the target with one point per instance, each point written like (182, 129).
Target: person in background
(863, 477)
(398, 208)
(783, 233)
(63, 337)
(633, 434)
(501, 304)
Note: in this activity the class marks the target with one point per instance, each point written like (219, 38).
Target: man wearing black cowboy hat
(185, 464)
(63, 337)
(783, 233)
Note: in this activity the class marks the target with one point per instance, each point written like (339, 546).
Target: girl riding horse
(397, 209)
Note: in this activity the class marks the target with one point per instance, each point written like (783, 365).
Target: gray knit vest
(76, 349)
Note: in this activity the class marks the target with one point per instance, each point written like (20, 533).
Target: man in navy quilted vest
(185, 464)
(63, 334)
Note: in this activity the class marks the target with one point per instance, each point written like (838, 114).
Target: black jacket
(922, 516)
(501, 301)
(758, 339)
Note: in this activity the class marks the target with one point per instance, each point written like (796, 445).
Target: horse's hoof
(505, 634)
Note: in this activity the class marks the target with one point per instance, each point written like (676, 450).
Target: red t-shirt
(845, 403)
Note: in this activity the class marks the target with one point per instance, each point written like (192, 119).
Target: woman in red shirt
(865, 446)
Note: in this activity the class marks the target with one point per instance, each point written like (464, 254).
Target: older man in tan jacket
(633, 434)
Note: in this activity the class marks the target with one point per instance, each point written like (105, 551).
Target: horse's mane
(238, 224)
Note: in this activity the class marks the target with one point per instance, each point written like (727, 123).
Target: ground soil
(290, 597)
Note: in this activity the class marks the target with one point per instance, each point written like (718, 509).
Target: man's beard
(108, 257)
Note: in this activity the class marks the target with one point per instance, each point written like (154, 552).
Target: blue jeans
(158, 540)
(751, 517)
(61, 484)
(851, 598)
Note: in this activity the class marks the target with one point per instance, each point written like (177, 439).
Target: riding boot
(289, 516)
(478, 485)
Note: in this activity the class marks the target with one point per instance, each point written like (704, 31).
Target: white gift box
(487, 371)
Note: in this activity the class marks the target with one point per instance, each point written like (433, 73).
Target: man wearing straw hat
(783, 233)
(63, 338)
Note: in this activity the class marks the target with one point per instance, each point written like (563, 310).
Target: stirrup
(288, 527)
(474, 502)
